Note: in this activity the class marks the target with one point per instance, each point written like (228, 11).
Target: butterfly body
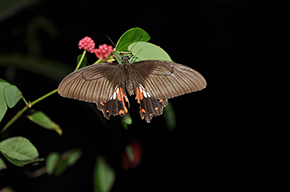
(152, 81)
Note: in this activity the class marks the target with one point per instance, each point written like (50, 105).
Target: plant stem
(14, 119)
(81, 60)
(30, 104)
(26, 103)
(25, 108)
(43, 97)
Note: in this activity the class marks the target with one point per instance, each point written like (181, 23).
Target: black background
(217, 38)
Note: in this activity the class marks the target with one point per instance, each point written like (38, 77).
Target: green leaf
(43, 120)
(2, 164)
(3, 105)
(148, 51)
(169, 116)
(118, 57)
(12, 95)
(84, 62)
(51, 162)
(128, 119)
(72, 156)
(67, 159)
(3, 81)
(18, 148)
(104, 176)
(131, 36)
(21, 163)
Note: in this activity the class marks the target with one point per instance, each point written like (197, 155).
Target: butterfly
(152, 81)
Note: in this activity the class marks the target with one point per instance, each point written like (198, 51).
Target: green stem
(26, 103)
(98, 61)
(81, 60)
(14, 119)
(30, 104)
(43, 97)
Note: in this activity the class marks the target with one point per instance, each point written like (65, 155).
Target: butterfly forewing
(164, 79)
(94, 83)
(103, 84)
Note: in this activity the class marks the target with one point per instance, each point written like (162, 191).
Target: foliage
(20, 151)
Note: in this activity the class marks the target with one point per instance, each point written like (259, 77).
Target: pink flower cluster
(103, 51)
(88, 44)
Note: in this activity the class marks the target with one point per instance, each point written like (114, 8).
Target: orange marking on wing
(143, 111)
(122, 95)
(160, 100)
(156, 108)
(102, 103)
(139, 95)
(107, 111)
(121, 112)
(119, 94)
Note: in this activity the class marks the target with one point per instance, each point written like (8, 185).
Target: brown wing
(102, 84)
(155, 81)
(164, 79)
(93, 83)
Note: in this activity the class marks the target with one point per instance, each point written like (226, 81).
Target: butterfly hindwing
(149, 106)
(116, 105)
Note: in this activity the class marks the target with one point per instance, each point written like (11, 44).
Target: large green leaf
(148, 51)
(12, 95)
(131, 36)
(43, 120)
(104, 176)
(18, 148)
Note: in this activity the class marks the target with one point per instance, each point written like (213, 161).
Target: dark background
(217, 38)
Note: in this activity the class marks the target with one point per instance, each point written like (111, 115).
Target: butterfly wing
(102, 84)
(156, 81)
(164, 79)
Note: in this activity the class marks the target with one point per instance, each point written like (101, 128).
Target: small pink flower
(103, 51)
(87, 44)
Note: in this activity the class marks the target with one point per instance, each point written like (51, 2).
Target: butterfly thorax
(129, 83)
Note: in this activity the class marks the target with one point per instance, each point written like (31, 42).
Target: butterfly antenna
(136, 42)
(111, 40)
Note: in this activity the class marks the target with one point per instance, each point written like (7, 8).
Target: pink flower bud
(103, 51)
(87, 44)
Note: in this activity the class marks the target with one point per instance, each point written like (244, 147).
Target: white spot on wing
(145, 94)
(114, 96)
